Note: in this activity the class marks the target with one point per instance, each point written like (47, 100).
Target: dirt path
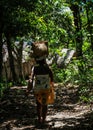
(18, 112)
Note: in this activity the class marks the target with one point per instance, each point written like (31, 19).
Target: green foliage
(58, 74)
(53, 21)
(48, 22)
(1, 89)
(86, 47)
(86, 92)
(4, 86)
(15, 16)
(78, 72)
(23, 82)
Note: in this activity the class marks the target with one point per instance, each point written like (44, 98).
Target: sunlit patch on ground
(18, 112)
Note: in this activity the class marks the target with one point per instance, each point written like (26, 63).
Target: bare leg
(39, 111)
(44, 112)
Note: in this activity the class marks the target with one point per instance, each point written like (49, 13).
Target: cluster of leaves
(78, 72)
(52, 20)
(4, 86)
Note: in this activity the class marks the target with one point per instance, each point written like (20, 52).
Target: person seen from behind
(41, 81)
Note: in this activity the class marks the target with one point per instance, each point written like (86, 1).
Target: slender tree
(89, 10)
(1, 41)
(78, 28)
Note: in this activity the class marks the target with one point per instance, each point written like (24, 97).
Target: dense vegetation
(64, 24)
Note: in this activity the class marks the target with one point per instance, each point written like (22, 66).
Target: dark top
(43, 69)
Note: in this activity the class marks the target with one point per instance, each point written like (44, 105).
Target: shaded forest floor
(18, 112)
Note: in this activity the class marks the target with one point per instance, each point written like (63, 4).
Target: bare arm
(30, 81)
(51, 77)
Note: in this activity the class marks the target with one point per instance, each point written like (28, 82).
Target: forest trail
(18, 112)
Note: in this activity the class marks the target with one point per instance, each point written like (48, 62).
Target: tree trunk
(11, 59)
(89, 27)
(19, 59)
(1, 42)
(78, 26)
(1, 57)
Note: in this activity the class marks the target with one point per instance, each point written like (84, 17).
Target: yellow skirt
(45, 97)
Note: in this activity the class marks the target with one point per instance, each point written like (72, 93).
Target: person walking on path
(41, 81)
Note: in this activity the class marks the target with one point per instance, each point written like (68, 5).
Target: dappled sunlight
(18, 112)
